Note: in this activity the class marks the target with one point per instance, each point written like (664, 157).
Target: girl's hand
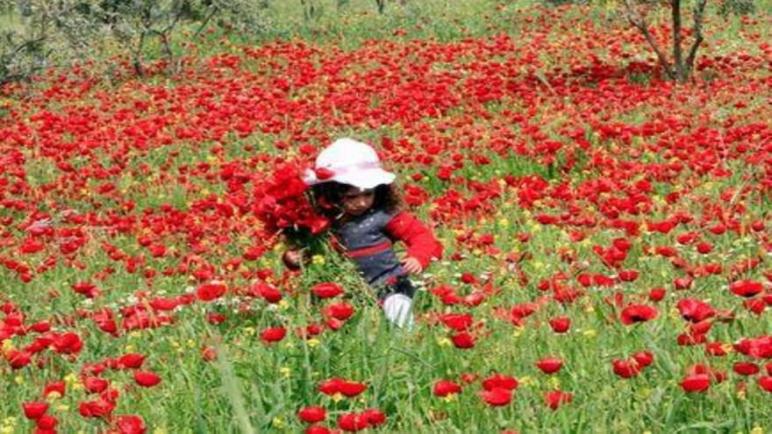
(411, 265)
(292, 259)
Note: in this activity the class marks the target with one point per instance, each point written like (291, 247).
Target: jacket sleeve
(419, 239)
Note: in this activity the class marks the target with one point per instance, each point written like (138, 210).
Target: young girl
(359, 197)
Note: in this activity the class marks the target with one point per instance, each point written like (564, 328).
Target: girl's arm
(419, 239)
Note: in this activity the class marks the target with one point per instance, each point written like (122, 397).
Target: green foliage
(42, 33)
(736, 7)
(26, 42)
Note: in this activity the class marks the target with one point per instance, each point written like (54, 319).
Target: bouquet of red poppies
(282, 203)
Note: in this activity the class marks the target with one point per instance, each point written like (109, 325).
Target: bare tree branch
(699, 10)
(213, 9)
(637, 20)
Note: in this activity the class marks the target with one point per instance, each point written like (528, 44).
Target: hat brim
(365, 179)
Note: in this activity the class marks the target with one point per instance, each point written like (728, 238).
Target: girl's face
(356, 202)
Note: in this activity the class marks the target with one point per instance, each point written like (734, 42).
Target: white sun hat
(351, 162)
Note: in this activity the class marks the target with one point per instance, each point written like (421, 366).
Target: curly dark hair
(328, 195)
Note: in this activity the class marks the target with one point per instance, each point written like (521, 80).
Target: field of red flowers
(607, 239)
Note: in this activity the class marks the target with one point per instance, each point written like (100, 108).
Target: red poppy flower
(215, 318)
(628, 275)
(211, 291)
(18, 359)
(46, 424)
(352, 422)
(146, 378)
(130, 424)
(657, 294)
(695, 310)
(500, 381)
(34, 409)
(443, 388)
(683, 282)
(67, 343)
(269, 293)
(704, 248)
(700, 328)
(746, 368)
(549, 365)
(57, 387)
(344, 387)
(635, 313)
(87, 289)
(131, 361)
(765, 382)
(715, 349)
(352, 388)
(462, 340)
(374, 417)
(208, 354)
(560, 324)
(760, 347)
(97, 408)
(626, 368)
(273, 334)
(497, 397)
(95, 384)
(469, 377)
(327, 290)
(556, 398)
(312, 414)
(644, 358)
(695, 383)
(457, 321)
(755, 305)
(523, 310)
(746, 288)
(340, 311)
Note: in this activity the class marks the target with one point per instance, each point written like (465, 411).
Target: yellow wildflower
(554, 382)
(278, 422)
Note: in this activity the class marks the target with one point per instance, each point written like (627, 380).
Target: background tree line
(37, 34)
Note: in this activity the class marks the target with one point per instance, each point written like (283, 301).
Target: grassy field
(567, 182)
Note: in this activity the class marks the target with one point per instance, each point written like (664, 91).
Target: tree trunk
(137, 56)
(678, 61)
(680, 69)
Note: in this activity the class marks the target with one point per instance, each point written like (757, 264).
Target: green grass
(255, 387)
